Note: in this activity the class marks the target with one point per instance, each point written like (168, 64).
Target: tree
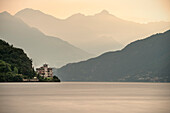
(15, 70)
(17, 78)
(16, 60)
(5, 67)
(56, 79)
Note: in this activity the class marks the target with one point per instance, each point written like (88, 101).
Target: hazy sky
(135, 10)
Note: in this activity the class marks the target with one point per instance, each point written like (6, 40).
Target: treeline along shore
(16, 66)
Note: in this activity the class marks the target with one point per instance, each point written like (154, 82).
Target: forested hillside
(14, 63)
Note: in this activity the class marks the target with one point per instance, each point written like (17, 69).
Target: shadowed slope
(41, 48)
(142, 60)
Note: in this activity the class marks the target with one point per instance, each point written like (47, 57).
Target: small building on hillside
(45, 71)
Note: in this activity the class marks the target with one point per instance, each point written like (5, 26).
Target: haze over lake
(84, 56)
(84, 97)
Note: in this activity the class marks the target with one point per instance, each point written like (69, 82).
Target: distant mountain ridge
(40, 47)
(96, 34)
(143, 60)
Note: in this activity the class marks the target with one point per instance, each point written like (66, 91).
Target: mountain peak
(77, 15)
(27, 11)
(5, 13)
(104, 12)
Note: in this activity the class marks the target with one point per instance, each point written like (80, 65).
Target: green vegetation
(14, 64)
(9, 73)
(56, 79)
(36, 43)
(48, 79)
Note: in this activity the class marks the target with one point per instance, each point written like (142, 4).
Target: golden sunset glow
(84, 56)
(133, 10)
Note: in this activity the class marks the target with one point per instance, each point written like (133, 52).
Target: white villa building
(45, 71)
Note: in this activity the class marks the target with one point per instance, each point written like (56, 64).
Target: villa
(45, 71)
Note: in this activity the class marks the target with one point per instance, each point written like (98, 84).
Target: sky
(141, 11)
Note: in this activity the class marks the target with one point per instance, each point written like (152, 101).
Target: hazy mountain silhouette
(41, 48)
(96, 33)
(143, 60)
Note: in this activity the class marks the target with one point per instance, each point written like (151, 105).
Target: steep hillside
(96, 34)
(13, 61)
(142, 60)
(41, 48)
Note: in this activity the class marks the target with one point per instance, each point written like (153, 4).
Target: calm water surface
(84, 97)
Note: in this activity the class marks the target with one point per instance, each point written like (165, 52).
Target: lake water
(85, 97)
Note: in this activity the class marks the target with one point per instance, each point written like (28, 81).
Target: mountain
(142, 60)
(13, 63)
(96, 34)
(40, 47)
